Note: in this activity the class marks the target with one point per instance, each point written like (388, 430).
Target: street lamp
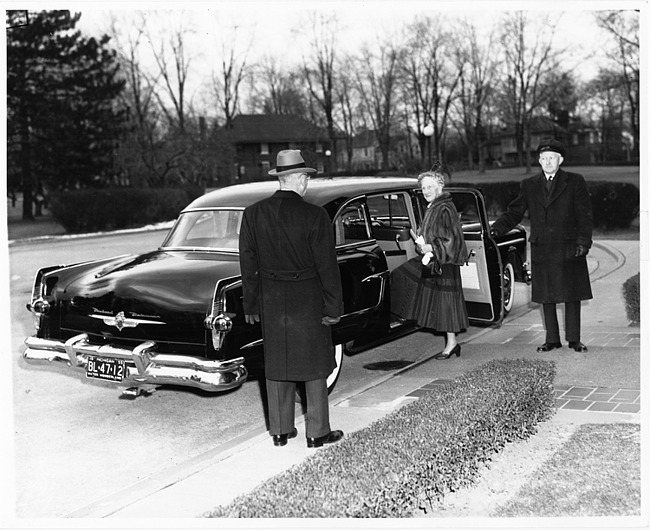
(428, 132)
(328, 153)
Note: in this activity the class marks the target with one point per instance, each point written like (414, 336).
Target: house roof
(274, 128)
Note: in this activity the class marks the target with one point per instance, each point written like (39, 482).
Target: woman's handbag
(430, 265)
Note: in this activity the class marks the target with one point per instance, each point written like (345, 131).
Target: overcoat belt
(291, 278)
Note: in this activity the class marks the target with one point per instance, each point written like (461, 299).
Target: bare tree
(319, 69)
(347, 109)
(276, 90)
(173, 65)
(138, 154)
(431, 78)
(377, 78)
(528, 61)
(233, 72)
(478, 66)
(623, 27)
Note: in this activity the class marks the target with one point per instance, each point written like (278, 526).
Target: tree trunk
(28, 184)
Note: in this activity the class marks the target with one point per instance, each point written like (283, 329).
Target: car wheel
(334, 376)
(508, 287)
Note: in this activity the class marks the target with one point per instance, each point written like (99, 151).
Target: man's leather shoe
(578, 346)
(281, 439)
(548, 346)
(333, 436)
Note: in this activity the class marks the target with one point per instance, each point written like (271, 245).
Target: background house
(366, 154)
(258, 138)
(584, 144)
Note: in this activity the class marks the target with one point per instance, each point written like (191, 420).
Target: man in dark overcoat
(559, 208)
(291, 280)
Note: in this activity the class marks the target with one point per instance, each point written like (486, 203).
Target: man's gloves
(330, 321)
(251, 319)
(581, 251)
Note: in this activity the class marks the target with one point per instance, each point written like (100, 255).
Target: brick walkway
(587, 398)
(598, 399)
(621, 339)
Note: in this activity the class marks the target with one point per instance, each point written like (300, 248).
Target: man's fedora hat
(290, 161)
(551, 144)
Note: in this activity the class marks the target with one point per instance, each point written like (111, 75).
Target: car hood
(173, 288)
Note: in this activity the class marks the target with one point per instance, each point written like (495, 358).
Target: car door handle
(471, 254)
(378, 276)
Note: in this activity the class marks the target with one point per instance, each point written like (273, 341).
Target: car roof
(320, 191)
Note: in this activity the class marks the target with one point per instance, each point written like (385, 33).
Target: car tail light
(218, 319)
(38, 304)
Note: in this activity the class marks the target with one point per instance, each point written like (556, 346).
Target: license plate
(105, 368)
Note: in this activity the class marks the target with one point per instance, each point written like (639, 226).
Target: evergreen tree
(63, 121)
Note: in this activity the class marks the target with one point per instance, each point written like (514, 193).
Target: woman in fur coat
(435, 302)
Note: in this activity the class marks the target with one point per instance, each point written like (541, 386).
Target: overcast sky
(274, 24)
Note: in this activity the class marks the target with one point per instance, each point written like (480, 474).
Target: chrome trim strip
(204, 249)
(254, 344)
(511, 242)
(120, 321)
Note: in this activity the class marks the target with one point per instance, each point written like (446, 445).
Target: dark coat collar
(287, 194)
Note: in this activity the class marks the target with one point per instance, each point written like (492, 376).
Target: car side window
(468, 208)
(388, 210)
(351, 224)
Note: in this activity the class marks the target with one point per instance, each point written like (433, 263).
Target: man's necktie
(549, 183)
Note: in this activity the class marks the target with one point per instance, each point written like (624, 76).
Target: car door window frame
(343, 230)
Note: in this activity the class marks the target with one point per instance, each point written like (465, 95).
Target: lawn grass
(597, 472)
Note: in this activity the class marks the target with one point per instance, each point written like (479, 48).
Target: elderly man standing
(291, 280)
(560, 212)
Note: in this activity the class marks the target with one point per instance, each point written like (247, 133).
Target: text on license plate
(105, 368)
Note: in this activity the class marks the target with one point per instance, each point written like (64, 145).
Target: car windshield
(206, 229)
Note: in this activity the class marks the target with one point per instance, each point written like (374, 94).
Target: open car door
(481, 275)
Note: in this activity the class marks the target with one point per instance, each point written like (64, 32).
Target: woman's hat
(290, 161)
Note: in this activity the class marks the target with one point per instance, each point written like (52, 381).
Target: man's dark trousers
(571, 322)
(282, 405)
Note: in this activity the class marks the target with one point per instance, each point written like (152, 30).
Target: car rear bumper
(143, 365)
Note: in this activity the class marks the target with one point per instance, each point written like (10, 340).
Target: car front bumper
(143, 366)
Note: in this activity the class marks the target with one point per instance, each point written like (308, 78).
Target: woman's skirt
(436, 302)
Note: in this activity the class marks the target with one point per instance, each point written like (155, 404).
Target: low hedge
(632, 296)
(614, 204)
(410, 459)
(116, 208)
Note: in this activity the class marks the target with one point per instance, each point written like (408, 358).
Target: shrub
(615, 204)
(632, 295)
(412, 457)
(117, 208)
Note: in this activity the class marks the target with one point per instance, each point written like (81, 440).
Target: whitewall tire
(334, 376)
(508, 287)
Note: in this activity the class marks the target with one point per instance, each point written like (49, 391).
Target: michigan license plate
(105, 368)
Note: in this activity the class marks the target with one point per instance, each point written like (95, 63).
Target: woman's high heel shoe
(454, 351)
